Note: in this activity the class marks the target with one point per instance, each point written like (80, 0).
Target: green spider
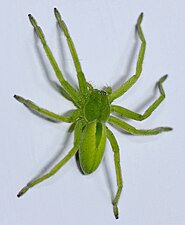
(93, 112)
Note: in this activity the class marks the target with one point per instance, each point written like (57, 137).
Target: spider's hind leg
(60, 164)
(115, 149)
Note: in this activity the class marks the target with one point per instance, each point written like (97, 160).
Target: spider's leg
(75, 114)
(81, 78)
(136, 116)
(132, 130)
(78, 131)
(130, 82)
(115, 149)
(68, 88)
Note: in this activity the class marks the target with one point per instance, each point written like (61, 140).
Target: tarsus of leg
(132, 130)
(130, 82)
(136, 116)
(68, 88)
(75, 114)
(81, 77)
(58, 166)
(115, 149)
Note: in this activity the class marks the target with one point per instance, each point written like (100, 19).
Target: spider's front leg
(55, 169)
(136, 116)
(129, 83)
(68, 88)
(74, 115)
(115, 149)
(81, 78)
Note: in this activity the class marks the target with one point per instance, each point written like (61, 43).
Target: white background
(104, 35)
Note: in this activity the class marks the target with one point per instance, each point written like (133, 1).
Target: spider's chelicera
(93, 110)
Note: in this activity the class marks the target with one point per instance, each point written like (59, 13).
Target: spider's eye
(104, 93)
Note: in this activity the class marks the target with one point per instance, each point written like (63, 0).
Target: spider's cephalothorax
(97, 106)
(94, 109)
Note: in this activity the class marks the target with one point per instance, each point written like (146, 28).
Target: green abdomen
(92, 146)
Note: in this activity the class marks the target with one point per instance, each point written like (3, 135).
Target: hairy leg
(115, 149)
(68, 88)
(132, 130)
(129, 83)
(136, 116)
(81, 78)
(78, 131)
(75, 114)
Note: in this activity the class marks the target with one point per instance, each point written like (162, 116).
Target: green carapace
(93, 110)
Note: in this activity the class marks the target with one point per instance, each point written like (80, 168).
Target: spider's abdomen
(97, 107)
(92, 146)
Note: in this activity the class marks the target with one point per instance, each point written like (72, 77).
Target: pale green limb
(130, 82)
(77, 137)
(75, 114)
(136, 116)
(115, 149)
(81, 78)
(68, 88)
(132, 130)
